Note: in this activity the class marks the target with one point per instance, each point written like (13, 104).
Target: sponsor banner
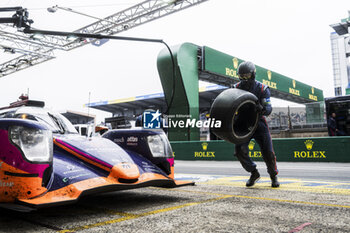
(324, 149)
(204, 152)
(226, 65)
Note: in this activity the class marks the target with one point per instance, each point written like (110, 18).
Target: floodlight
(52, 9)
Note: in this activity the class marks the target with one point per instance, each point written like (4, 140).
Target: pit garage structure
(79, 117)
(182, 92)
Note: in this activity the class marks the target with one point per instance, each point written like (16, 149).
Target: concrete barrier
(323, 149)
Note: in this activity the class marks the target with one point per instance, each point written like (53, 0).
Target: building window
(337, 91)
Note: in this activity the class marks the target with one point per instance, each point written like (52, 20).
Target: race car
(44, 161)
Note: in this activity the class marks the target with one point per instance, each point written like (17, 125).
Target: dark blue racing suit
(332, 126)
(262, 134)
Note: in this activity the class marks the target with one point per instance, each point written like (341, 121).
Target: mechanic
(246, 73)
(332, 125)
(333, 128)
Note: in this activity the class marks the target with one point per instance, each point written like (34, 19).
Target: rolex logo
(251, 145)
(269, 74)
(235, 63)
(309, 144)
(205, 146)
(313, 90)
(294, 83)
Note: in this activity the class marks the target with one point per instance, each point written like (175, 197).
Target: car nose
(125, 172)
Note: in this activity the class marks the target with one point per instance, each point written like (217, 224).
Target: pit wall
(322, 149)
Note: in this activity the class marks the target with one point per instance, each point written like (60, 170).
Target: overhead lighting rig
(19, 19)
(22, 22)
(139, 14)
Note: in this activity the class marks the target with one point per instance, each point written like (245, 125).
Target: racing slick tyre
(236, 109)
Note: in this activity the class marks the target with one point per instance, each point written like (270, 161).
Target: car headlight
(35, 143)
(159, 146)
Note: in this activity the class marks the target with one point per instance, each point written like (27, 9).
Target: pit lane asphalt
(219, 202)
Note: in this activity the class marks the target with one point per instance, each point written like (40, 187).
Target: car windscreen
(55, 121)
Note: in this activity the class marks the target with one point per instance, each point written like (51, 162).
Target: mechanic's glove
(259, 108)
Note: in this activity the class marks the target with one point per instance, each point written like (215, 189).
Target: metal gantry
(37, 50)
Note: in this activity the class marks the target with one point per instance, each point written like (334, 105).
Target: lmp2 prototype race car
(45, 162)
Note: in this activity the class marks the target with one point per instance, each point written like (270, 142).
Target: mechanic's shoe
(254, 177)
(274, 182)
